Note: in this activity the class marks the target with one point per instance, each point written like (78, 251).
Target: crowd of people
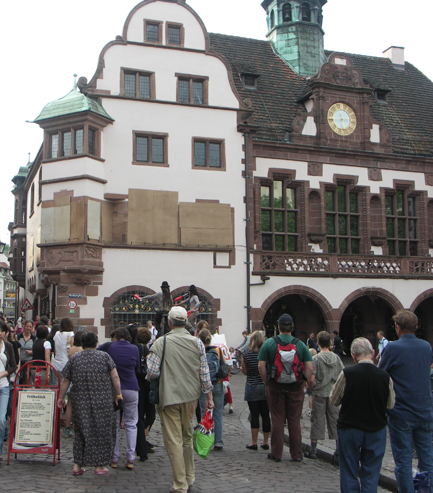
(110, 387)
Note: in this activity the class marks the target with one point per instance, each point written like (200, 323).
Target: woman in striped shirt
(255, 392)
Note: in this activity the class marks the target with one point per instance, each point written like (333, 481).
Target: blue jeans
(357, 446)
(4, 400)
(401, 434)
(218, 399)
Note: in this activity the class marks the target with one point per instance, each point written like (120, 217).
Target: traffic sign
(72, 304)
(27, 305)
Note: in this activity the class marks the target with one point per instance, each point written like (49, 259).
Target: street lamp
(2, 246)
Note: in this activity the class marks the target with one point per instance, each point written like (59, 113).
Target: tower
(295, 30)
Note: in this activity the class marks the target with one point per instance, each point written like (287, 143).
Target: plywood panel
(206, 237)
(206, 224)
(93, 219)
(107, 222)
(47, 221)
(77, 221)
(62, 223)
(153, 217)
(62, 200)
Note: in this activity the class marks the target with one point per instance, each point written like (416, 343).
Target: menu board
(35, 418)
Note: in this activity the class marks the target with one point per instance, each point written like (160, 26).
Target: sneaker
(309, 412)
(218, 448)
(230, 411)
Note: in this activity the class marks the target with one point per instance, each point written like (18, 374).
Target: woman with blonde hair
(255, 392)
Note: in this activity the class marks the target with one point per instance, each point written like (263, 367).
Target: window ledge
(143, 163)
(208, 168)
(75, 156)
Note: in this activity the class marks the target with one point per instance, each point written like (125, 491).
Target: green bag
(203, 437)
(154, 384)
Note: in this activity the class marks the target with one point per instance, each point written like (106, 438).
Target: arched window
(306, 12)
(287, 12)
(272, 17)
(126, 309)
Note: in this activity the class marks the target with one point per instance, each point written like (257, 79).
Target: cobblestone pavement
(235, 469)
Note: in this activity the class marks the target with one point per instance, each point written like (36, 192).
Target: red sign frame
(25, 372)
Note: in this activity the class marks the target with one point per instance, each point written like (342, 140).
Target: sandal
(100, 473)
(113, 465)
(78, 473)
(130, 465)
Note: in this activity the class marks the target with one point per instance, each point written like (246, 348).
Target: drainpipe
(247, 230)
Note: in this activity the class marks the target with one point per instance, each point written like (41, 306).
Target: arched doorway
(125, 309)
(306, 313)
(424, 312)
(364, 317)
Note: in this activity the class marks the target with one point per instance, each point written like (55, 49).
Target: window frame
(191, 79)
(86, 127)
(208, 141)
(396, 218)
(144, 73)
(286, 184)
(153, 22)
(32, 200)
(254, 77)
(181, 34)
(149, 135)
(347, 214)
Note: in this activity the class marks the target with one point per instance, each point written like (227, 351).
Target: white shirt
(153, 333)
(62, 341)
(3, 361)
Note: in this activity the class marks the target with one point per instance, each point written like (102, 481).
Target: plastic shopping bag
(421, 482)
(203, 436)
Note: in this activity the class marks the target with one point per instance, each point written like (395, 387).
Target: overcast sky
(45, 42)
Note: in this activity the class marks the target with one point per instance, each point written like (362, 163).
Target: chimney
(396, 55)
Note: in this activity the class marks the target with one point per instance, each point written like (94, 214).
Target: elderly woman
(127, 359)
(95, 390)
(7, 367)
(255, 391)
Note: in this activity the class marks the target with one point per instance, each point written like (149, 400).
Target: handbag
(154, 384)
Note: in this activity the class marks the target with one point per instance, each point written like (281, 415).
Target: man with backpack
(285, 364)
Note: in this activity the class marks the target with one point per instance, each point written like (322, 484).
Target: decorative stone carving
(316, 238)
(429, 180)
(52, 280)
(378, 241)
(82, 281)
(385, 135)
(299, 124)
(341, 75)
(93, 252)
(56, 257)
(62, 288)
(315, 169)
(375, 174)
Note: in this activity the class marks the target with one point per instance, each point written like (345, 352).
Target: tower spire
(295, 30)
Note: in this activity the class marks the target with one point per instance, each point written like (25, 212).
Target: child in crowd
(232, 352)
(326, 369)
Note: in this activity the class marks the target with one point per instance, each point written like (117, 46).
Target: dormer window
(287, 12)
(249, 81)
(306, 12)
(381, 95)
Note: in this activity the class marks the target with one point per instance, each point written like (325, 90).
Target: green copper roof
(73, 102)
(22, 174)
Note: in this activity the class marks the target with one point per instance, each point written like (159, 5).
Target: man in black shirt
(365, 393)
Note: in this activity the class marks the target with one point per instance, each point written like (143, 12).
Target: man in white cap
(184, 374)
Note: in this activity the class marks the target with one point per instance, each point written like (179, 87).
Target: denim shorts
(254, 393)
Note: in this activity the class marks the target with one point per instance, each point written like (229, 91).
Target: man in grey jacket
(326, 368)
(184, 374)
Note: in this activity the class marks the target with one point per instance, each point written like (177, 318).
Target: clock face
(342, 119)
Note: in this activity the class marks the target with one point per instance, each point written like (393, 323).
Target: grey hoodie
(326, 367)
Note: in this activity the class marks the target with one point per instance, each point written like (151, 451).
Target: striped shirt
(252, 364)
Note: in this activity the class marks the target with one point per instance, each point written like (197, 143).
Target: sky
(44, 43)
